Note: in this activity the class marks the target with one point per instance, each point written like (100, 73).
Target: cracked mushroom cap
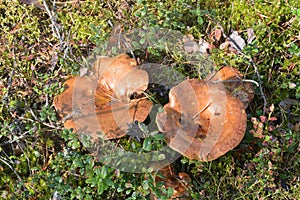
(91, 107)
(121, 75)
(97, 113)
(202, 121)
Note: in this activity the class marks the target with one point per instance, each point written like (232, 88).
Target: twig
(36, 119)
(57, 32)
(71, 115)
(27, 159)
(24, 135)
(9, 80)
(204, 108)
(55, 27)
(242, 80)
(247, 57)
(5, 162)
(122, 39)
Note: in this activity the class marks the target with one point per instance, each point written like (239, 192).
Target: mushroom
(179, 182)
(202, 121)
(96, 104)
(121, 75)
(232, 79)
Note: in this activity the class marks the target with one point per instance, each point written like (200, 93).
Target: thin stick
(24, 135)
(27, 159)
(57, 31)
(241, 80)
(122, 39)
(5, 162)
(54, 27)
(247, 57)
(36, 119)
(204, 108)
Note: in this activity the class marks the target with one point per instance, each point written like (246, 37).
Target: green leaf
(147, 144)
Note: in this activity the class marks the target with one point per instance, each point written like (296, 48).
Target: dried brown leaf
(216, 35)
(251, 35)
(237, 41)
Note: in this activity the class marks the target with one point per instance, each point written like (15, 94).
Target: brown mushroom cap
(91, 107)
(110, 117)
(232, 80)
(179, 182)
(202, 121)
(121, 75)
(63, 101)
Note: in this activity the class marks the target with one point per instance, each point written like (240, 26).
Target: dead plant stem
(248, 58)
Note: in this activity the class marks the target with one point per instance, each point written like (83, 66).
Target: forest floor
(45, 42)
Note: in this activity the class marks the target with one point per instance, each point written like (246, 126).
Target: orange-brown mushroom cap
(93, 108)
(121, 75)
(202, 121)
(232, 80)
